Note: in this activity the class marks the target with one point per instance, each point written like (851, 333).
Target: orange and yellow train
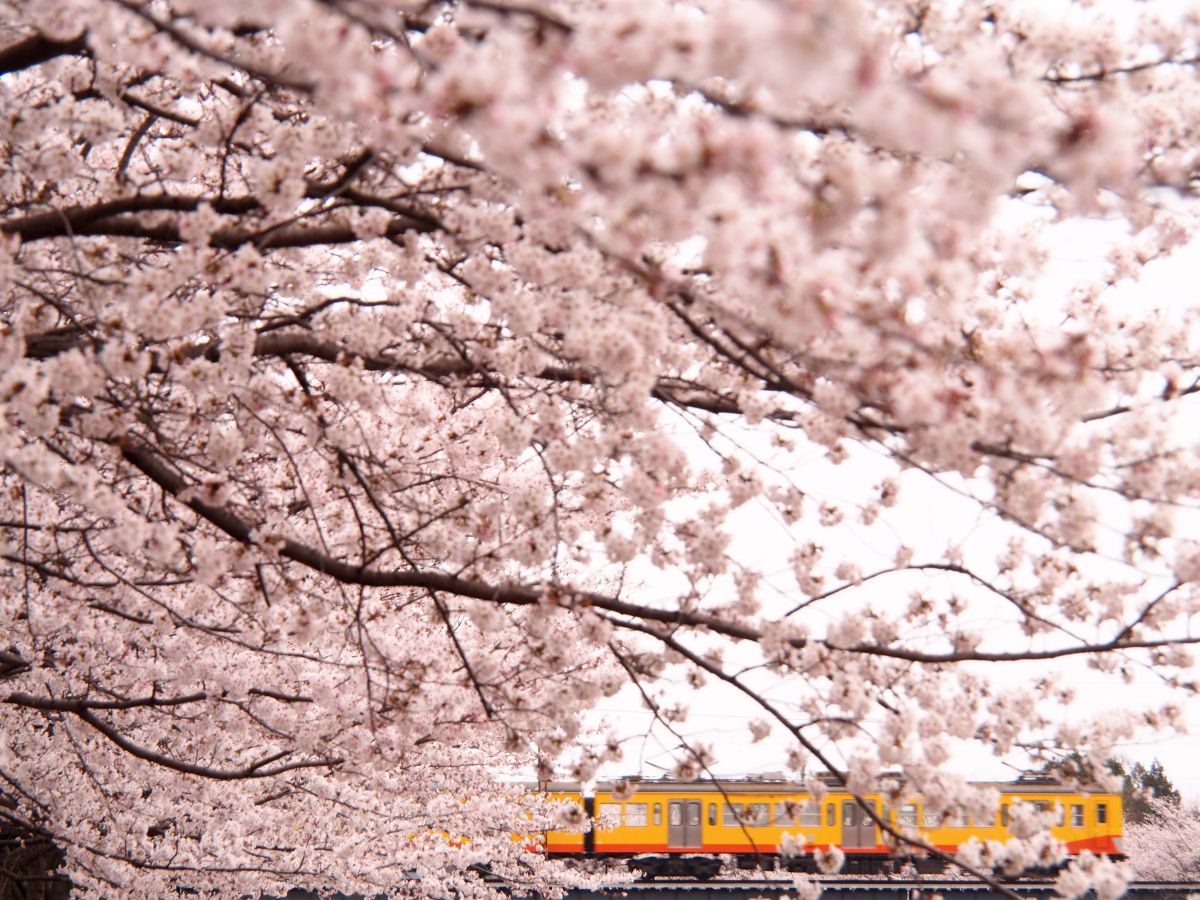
(671, 827)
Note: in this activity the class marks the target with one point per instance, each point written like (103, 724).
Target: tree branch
(83, 711)
(37, 49)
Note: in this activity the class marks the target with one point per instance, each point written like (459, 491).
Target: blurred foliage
(1142, 786)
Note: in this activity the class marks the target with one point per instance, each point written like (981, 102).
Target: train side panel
(641, 822)
(566, 840)
(753, 820)
(1083, 821)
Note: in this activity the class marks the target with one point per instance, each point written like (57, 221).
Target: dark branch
(37, 49)
(83, 710)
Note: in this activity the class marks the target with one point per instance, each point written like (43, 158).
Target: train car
(568, 841)
(683, 828)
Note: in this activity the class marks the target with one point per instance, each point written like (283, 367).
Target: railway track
(866, 888)
(852, 888)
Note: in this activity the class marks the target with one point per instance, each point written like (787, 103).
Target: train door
(858, 829)
(684, 831)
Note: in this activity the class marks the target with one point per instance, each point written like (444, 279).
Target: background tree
(1145, 791)
(1142, 788)
(385, 382)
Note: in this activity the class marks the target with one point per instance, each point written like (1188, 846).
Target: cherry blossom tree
(1162, 846)
(384, 382)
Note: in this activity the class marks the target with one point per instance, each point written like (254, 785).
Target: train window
(1043, 806)
(785, 812)
(831, 814)
(635, 814)
(609, 815)
(750, 814)
(657, 813)
(810, 814)
(712, 815)
(1076, 815)
(675, 814)
(907, 816)
(930, 819)
(1004, 815)
(1101, 813)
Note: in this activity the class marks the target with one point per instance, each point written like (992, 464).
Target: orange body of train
(749, 819)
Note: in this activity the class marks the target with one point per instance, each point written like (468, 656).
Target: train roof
(778, 784)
